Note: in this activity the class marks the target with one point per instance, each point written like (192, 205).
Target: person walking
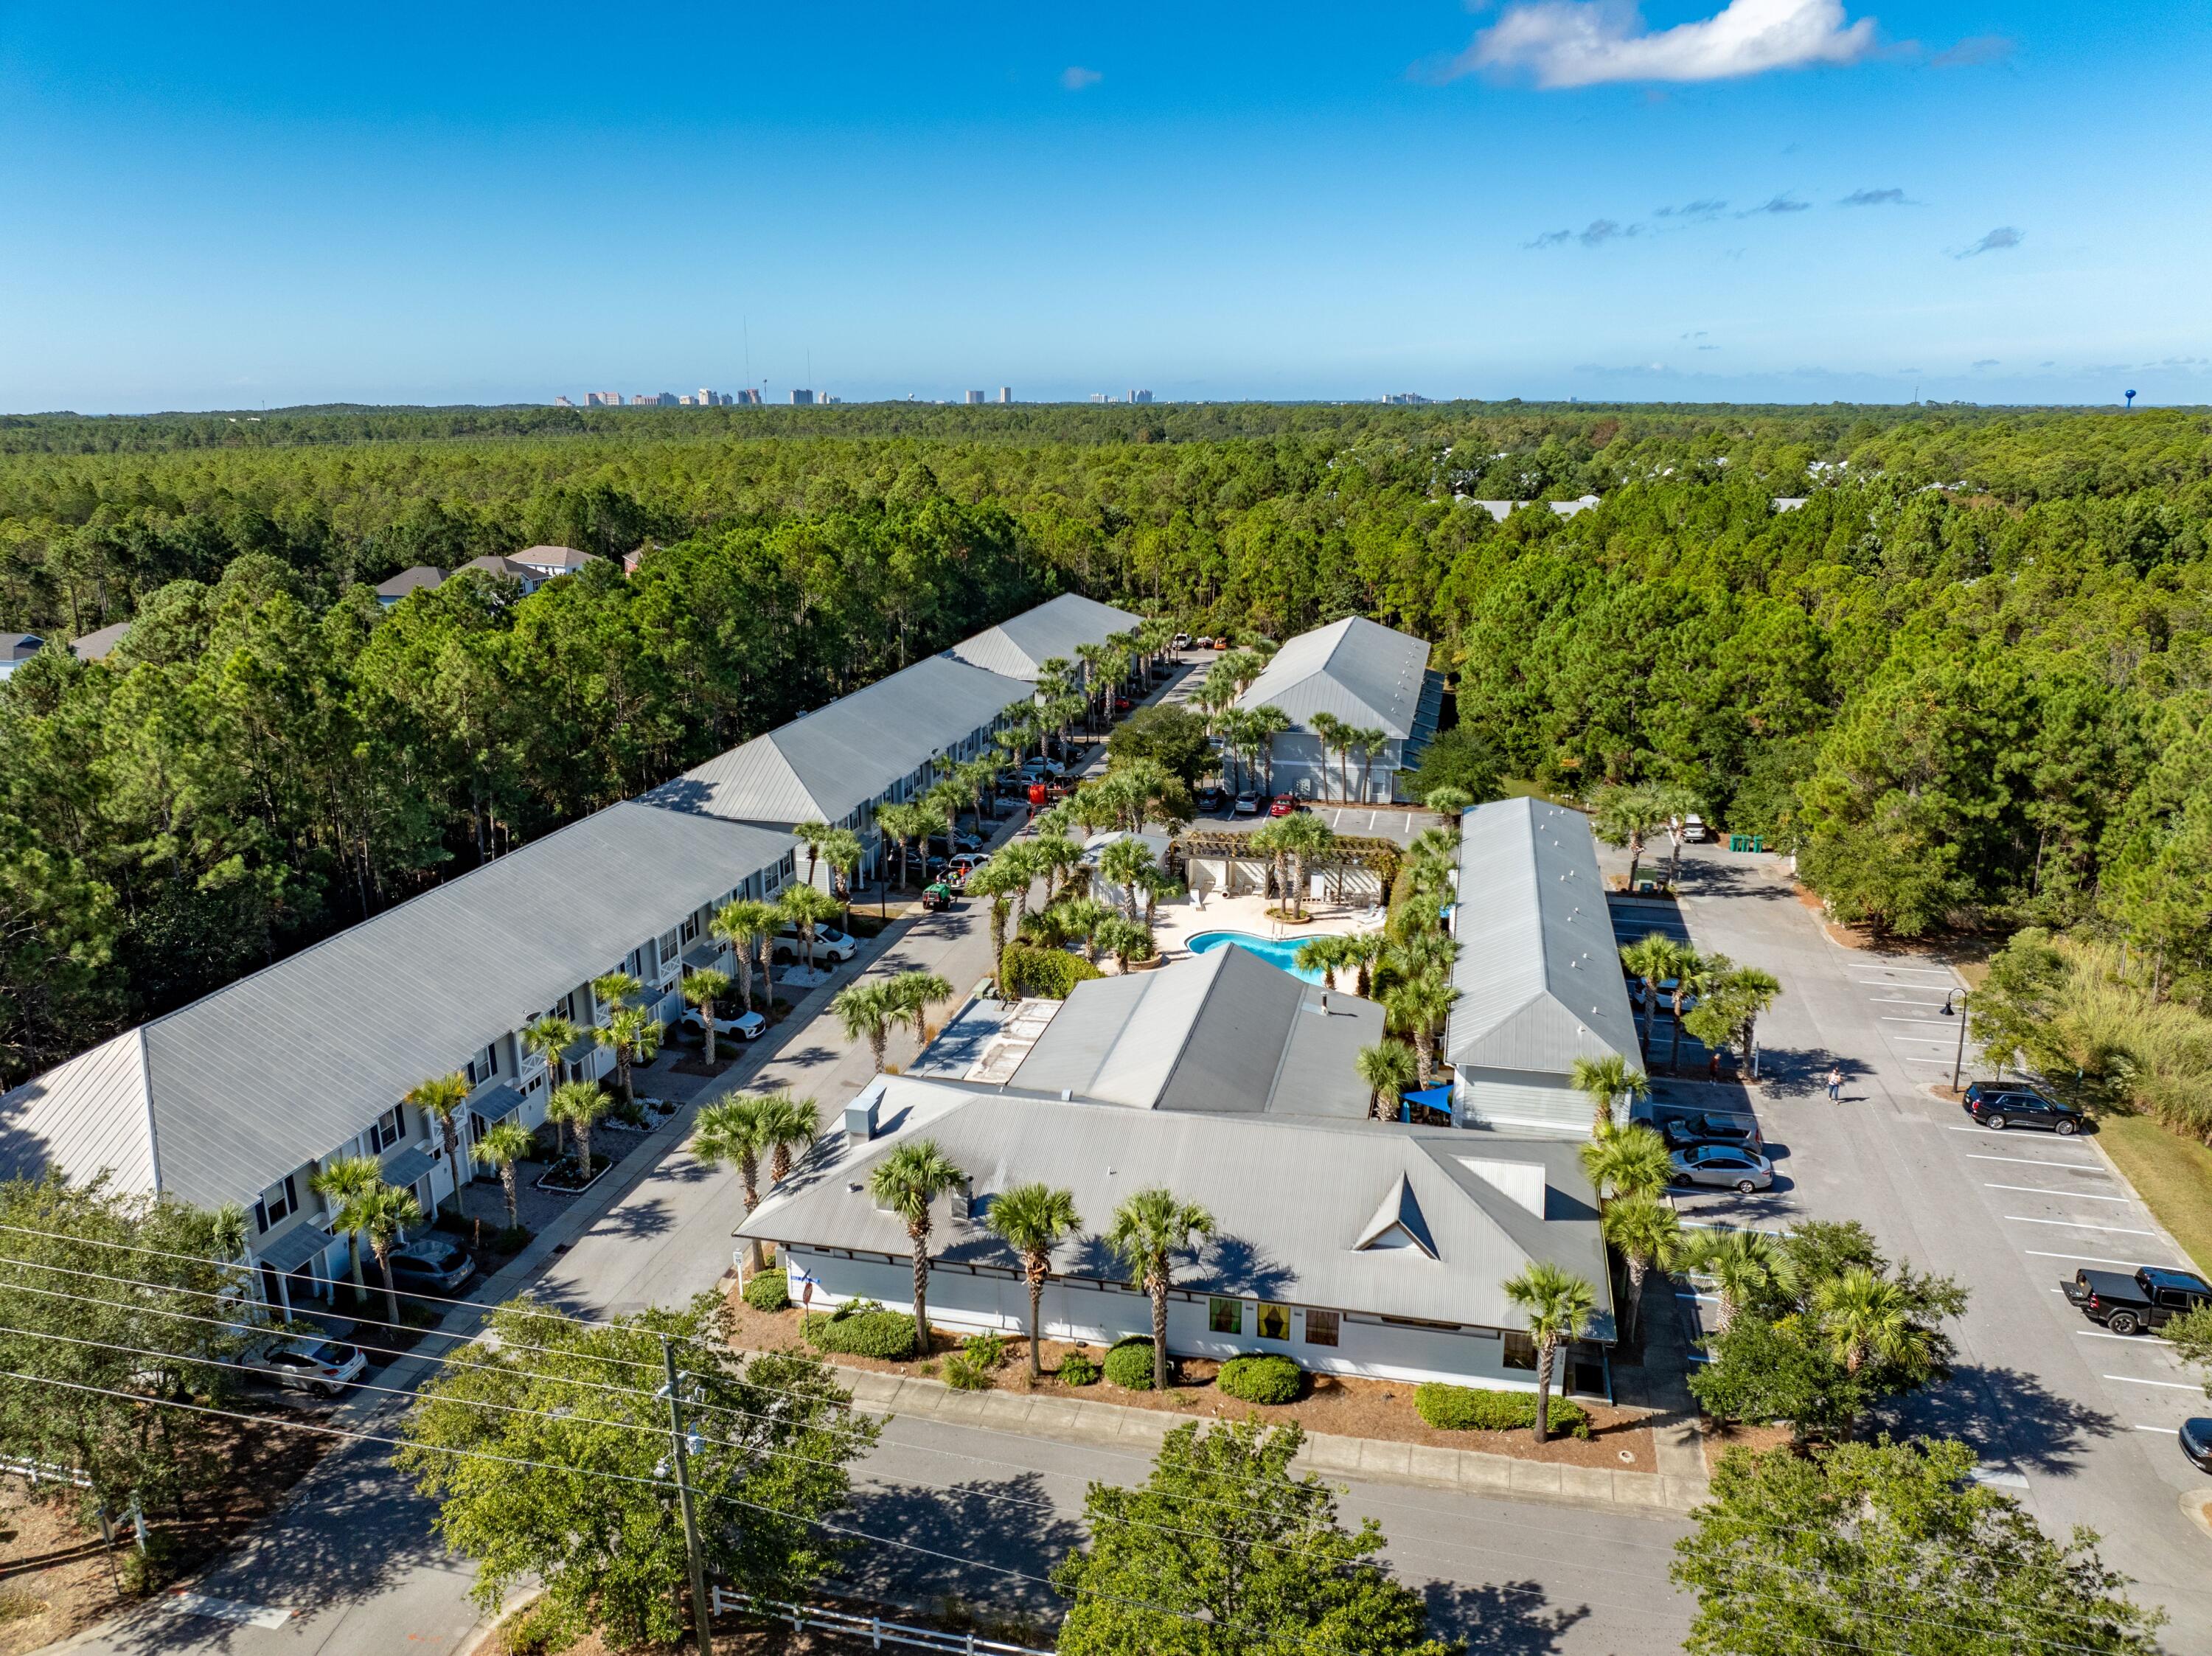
(1835, 1083)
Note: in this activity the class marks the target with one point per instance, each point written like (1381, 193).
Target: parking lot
(2075, 1420)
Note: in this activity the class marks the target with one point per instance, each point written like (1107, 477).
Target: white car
(1694, 829)
(829, 944)
(322, 1367)
(745, 1026)
(1248, 802)
(1036, 770)
(1183, 641)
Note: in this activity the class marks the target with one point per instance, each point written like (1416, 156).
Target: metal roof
(227, 1094)
(1538, 973)
(414, 579)
(1291, 1199)
(1020, 647)
(95, 645)
(1222, 1033)
(837, 758)
(1365, 673)
(19, 646)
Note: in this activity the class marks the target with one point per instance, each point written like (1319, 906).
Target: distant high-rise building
(1101, 396)
(706, 399)
(684, 401)
(1141, 397)
(1405, 396)
(973, 399)
(602, 399)
(827, 397)
(1006, 393)
(801, 398)
(562, 403)
(750, 397)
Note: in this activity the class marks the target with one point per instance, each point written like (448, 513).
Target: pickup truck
(2128, 1305)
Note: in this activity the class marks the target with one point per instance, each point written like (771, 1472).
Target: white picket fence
(38, 1471)
(873, 1629)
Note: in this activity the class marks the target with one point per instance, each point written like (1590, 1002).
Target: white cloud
(1574, 43)
(1075, 77)
(1997, 241)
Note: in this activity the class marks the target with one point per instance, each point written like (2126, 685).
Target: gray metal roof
(841, 757)
(416, 579)
(224, 1096)
(1019, 646)
(1537, 974)
(1223, 1032)
(19, 646)
(1365, 673)
(95, 645)
(1291, 1199)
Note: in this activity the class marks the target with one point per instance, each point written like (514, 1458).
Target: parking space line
(2170, 1386)
(2088, 1259)
(1933, 1023)
(2070, 1195)
(1919, 1040)
(2163, 1431)
(2075, 1224)
(2038, 1162)
(1899, 1000)
(2099, 1334)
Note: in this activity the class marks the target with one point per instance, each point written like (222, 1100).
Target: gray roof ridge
(1504, 1213)
(1400, 1208)
(1213, 981)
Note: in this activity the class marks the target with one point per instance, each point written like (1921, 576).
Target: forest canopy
(1968, 678)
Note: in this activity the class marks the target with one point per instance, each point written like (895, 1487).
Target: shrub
(511, 1239)
(146, 1571)
(970, 1368)
(1076, 1369)
(626, 1113)
(861, 1328)
(767, 1291)
(1268, 1379)
(1025, 969)
(1473, 1409)
(1129, 1364)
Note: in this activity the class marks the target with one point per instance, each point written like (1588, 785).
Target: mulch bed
(1719, 1439)
(1339, 1404)
(699, 1066)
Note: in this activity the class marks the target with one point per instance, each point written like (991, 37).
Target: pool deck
(1177, 923)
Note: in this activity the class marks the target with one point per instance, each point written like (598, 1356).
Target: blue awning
(1436, 1098)
(303, 1242)
(496, 1103)
(410, 1165)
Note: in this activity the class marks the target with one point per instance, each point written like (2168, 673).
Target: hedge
(861, 1328)
(1025, 969)
(1129, 1364)
(1471, 1409)
(1266, 1379)
(767, 1291)
(1076, 1369)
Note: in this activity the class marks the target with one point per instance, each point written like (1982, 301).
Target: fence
(38, 1471)
(874, 1628)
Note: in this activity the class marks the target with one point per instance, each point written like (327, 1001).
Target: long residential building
(1372, 677)
(1538, 972)
(243, 1094)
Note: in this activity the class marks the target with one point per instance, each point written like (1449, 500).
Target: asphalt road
(2077, 1422)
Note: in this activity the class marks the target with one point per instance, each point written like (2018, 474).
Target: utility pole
(1958, 1058)
(680, 1451)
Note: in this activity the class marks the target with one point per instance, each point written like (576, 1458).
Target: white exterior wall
(1367, 1347)
(1521, 1100)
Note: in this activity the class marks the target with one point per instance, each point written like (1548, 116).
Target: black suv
(1998, 1104)
(1740, 1131)
(1209, 799)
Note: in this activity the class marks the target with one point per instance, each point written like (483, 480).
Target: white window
(667, 948)
(483, 1066)
(278, 1204)
(385, 1134)
(689, 929)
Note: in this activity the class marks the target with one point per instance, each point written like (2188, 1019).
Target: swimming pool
(1280, 952)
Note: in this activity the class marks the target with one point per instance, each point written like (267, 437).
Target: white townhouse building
(243, 1094)
(1538, 973)
(893, 740)
(1371, 676)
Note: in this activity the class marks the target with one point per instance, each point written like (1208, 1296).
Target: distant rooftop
(1365, 673)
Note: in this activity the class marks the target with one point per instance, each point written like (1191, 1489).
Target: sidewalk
(1141, 1430)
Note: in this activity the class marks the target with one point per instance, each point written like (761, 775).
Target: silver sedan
(1726, 1166)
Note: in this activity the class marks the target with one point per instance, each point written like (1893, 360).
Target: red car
(1284, 804)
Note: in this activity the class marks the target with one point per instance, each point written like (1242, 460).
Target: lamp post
(1958, 1058)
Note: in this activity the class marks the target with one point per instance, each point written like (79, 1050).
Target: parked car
(2196, 1435)
(431, 1264)
(969, 861)
(1183, 641)
(322, 1367)
(1741, 1131)
(1248, 802)
(1694, 828)
(1284, 804)
(1727, 1166)
(1041, 766)
(1210, 798)
(2127, 1304)
(1998, 1104)
(829, 944)
(745, 1026)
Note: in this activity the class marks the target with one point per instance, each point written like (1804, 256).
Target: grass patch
(2174, 1174)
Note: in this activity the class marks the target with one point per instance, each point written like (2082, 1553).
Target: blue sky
(214, 207)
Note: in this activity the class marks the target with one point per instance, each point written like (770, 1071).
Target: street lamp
(1958, 1058)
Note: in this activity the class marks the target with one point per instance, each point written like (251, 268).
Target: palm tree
(1125, 864)
(1678, 803)
(867, 1011)
(1080, 919)
(1058, 861)
(787, 1123)
(1608, 1081)
(1303, 837)
(1419, 1006)
(1633, 1162)
(1327, 955)
(1388, 1068)
(1369, 740)
(808, 908)
(440, 1098)
(843, 849)
(1625, 816)
(1126, 940)
(1647, 1234)
(548, 1039)
(906, 1182)
(742, 925)
(506, 1144)
(735, 1129)
(614, 989)
(702, 988)
(912, 994)
(578, 1104)
(978, 777)
(1740, 1262)
(1149, 1230)
(343, 1182)
(1033, 1220)
(998, 880)
(1694, 974)
(1727, 1013)
(1867, 1316)
(633, 1036)
(1263, 726)
(1559, 1305)
(386, 1213)
(1653, 958)
(1329, 731)
(905, 824)
(812, 834)
(1448, 801)
(1362, 950)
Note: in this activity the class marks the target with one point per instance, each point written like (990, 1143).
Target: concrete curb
(1376, 1460)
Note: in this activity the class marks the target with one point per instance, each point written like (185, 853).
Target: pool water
(1280, 952)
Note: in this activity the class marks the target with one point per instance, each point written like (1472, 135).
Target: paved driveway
(2078, 1422)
